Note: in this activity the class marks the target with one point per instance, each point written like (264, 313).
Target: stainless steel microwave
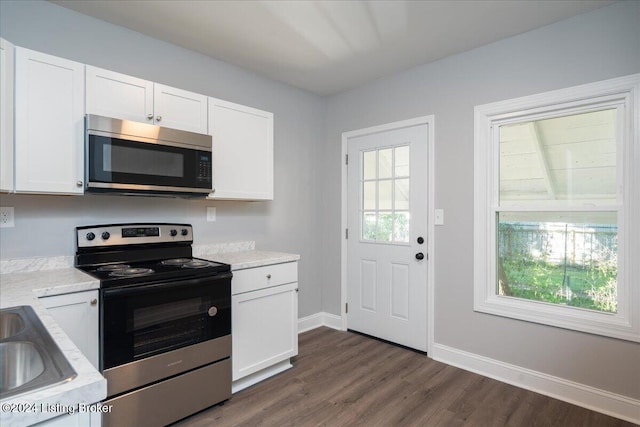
(128, 157)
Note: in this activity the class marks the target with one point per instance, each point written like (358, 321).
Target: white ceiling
(329, 46)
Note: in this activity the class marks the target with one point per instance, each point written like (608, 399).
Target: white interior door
(387, 220)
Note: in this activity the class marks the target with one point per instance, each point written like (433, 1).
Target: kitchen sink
(10, 324)
(22, 363)
(29, 358)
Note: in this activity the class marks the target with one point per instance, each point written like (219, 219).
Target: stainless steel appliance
(138, 158)
(165, 322)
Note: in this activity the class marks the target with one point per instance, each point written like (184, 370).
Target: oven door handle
(116, 292)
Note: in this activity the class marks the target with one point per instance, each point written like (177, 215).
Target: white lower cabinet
(264, 322)
(77, 315)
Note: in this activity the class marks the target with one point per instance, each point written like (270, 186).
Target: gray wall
(44, 224)
(595, 46)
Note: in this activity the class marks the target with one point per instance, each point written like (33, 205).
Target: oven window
(167, 326)
(116, 158)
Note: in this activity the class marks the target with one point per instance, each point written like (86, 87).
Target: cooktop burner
(175, 261)
(130, 272)
(113, 267)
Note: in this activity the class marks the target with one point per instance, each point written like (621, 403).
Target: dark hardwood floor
(346, 379)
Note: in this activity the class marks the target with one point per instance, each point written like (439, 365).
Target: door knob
(420, 240)
(419, 256)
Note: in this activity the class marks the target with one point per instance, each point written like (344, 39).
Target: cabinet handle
(79, 183)
(149, 116)
(268, 276)
(93, 301)
(158, 118)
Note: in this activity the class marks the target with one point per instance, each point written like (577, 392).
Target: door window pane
(369, 195)
(402, 194)
(385, 195)
(369, 165)
(401, 161)
(385, 162)
(401, 227)
(369, 226)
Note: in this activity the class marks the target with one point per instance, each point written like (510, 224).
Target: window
(384, 187)
(557, 183)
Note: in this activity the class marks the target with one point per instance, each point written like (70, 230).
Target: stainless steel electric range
(165, 321)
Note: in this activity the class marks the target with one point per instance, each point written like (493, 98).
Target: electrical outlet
(211, 214)
(6, 217)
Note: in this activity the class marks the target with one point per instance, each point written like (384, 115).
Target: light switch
(211, 214)
(439, 217)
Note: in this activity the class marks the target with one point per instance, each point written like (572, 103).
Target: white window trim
(625, 324)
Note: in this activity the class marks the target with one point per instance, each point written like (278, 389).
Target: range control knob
(184, 232)
(173, 233)
(90, 236)
(106, 235)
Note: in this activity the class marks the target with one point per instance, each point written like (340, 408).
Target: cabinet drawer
(252, 279)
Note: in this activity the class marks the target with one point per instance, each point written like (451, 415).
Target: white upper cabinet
(120, 96)
(180, 109)
(49, 123)
(6, 115)
(242, 151)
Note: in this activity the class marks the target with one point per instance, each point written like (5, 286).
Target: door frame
(429, 121)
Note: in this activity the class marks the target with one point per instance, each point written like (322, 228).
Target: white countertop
(251, 259)
(88, 386)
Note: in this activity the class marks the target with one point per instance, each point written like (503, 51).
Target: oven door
(137, 322)
(124, 164)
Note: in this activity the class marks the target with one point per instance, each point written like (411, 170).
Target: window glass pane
(369, 226)
(369, 165)
(385, 195)
(569, 159)
(567, 258)
(385, 160)
(402, 194)
(385, 227)
(401, 227)
(369, 195)
(402, 161)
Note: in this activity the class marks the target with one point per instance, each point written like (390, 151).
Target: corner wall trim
(319, 319)
(603, 401)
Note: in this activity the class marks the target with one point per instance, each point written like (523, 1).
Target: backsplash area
(26, 265)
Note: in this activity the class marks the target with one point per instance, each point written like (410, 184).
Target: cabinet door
(242, 151)
(180, 109)
(49, 124)
(6, 116)
(264, 328)
(77, 315)
(119, 96)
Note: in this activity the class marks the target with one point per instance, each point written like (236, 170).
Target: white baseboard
(582, 395)
(262, 375)
(319, 319)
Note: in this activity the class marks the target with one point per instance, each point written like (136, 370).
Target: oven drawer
(252, 279)
(155, 368)
(171, 400)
